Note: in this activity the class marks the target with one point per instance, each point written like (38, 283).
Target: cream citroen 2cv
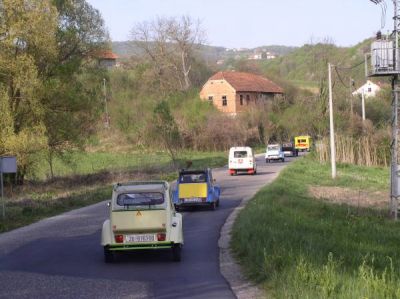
(142, 216)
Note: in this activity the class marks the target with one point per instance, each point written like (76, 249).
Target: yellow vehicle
(142, 216)
(303, 143)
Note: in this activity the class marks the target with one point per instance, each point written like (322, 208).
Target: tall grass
(301, 247)
(364, 150)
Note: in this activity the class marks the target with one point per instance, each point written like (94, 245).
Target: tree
(169, 44)
(48, 80)
(25, 48)
(166, 129)
(73, 80)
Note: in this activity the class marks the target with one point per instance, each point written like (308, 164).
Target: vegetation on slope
(303, 247)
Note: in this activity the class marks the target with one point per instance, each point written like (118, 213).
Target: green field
(82, 163)
(297, 246)
(89, 179)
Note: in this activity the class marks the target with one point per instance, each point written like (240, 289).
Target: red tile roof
(248, 82)
(107, 55)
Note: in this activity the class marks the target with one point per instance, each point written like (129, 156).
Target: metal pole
(394, 192)
(393, 168)
(107, 123)
(331, 128)
(351, 98)
(2, 194)
(363, 105)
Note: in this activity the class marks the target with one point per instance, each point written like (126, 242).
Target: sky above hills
(252, 23)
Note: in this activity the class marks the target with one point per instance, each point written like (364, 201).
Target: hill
(211, 54)
(307, 65)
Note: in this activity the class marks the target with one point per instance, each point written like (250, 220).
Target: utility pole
(107, 120)
(331, 128)
(351, 97)
(395, 126)
(388, 65)
(363, 105)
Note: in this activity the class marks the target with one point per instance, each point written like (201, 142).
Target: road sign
(8, 164)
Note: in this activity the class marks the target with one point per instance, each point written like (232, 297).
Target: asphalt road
(61, 257)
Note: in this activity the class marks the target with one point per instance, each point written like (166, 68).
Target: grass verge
(36, 200)
(299, 247)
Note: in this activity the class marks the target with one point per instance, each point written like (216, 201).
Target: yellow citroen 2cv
(142, 216)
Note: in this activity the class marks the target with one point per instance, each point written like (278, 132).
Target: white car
(274, 152)
(242, 159)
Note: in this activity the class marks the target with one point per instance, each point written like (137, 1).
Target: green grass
(89, 180)
(80, 163)
(300, 247)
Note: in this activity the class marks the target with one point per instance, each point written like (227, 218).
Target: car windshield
(273, 148)
(192, 178)
(140, 199)
(240, 154)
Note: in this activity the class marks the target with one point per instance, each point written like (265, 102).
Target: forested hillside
(309, 63)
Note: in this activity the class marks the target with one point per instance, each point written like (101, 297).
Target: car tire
(266, 161)
(218, 202)
(109, 256)
(177, 252)
(213, 205)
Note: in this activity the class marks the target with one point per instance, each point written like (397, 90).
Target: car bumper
(140, 246)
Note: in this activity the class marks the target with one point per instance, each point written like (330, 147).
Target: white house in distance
(369, 89)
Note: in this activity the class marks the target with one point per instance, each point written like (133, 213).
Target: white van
(242, 159)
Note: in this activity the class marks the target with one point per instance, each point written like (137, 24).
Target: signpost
(8, 164)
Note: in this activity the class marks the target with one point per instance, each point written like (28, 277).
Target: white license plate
(139, 238)
(193, 199)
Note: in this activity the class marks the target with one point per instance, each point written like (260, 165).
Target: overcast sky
(251, 23)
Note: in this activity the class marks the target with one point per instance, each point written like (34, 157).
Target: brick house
(231, 92)
(107, 59)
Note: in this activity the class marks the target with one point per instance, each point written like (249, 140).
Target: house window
(369, 89)
(241, 100)
(210, 99)
(247, 99)
(224, 101)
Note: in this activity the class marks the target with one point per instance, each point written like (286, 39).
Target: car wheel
(266, 161)
(213, 206)
(218, 202)
(176, 252)
(109, 256)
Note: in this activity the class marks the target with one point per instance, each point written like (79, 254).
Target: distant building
(261, 55)
(369, 89)
(258, 56)
(231, 92)
(107, 59)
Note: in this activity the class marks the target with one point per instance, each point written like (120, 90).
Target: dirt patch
(358, 198)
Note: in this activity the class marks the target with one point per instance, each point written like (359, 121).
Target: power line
(351, 67)
(340, 78)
